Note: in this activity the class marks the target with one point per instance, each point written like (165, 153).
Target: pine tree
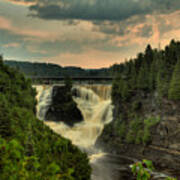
(133, 77)
(68, 83)
(152, 76)
(149, 54)
(117, 88)
(174, 90)
(163, 78)
(143, 79)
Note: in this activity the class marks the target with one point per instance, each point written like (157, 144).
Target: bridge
(79, 79)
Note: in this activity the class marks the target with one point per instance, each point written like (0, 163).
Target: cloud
(145, 31)
(118, 28)
(6, 24)
(86, 33)
(23, 2)
(88, 59)
(99, 9)
(13, 45)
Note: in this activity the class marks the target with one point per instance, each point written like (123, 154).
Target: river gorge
(94, 102)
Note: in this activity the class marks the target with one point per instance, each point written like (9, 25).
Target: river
(94, 102)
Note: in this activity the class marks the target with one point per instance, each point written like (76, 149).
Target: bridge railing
(79, 80)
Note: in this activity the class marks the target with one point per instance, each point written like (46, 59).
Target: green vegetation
(134, 127)
(28, 148)
(139, 131)
(121, 130)
(51, 70)
(143, 170)
(154, 74)
(149, 72)
(174, 91)
(148, 123)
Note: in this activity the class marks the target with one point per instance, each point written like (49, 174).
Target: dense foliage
(28, 148)
(149, 71)
(138, 90)
(174, 90)
(144, 170)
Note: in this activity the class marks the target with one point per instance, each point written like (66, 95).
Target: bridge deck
(80, 78)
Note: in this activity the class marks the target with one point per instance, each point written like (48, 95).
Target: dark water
(111, 167)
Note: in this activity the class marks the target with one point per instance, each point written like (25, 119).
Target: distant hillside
(48, 69)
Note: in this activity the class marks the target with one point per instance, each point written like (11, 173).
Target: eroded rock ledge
(63, 108)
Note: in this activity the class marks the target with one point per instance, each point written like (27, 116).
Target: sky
(85, 33)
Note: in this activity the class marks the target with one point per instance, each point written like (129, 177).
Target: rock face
(63, 108)
(164, 147)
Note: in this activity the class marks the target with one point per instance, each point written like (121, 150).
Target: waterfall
(95, 105)
(44, 94)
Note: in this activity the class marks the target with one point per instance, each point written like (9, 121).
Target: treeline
(143, 91)
(49, 69)
(153, 70)
(28, 148)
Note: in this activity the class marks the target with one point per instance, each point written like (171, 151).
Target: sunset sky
(86, 33)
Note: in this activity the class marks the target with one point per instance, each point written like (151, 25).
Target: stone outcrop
(164, 148)
(63, 108)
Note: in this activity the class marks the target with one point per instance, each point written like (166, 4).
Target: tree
(68, 83)
(174, 90)
(149, 54)
(163, 78)
(143, 79)
(1, 60)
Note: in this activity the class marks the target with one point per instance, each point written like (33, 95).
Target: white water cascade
(44, 94)
(95, 105)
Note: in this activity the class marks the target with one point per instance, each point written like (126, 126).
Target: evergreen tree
(174, 90)
(138, 61)
(117, 87)
(143, 80)
(149, 54)
(133, 77)
(163, 78)
(152, 76)
(68, 83)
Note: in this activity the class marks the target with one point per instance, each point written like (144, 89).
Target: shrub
(121, 130)
(130, 138)
(174, 90)
(136, 105)
(142, 170)
(148, 123)
(139, 137)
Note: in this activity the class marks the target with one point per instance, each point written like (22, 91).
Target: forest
(28, 148)
(145, 95)
(52, 70)
(153, 70)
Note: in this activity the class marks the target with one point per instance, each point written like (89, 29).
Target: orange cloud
(4, 23)
(22, 3)
(14, 45)
(35, 50)
(156, 22)
(33, 34)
